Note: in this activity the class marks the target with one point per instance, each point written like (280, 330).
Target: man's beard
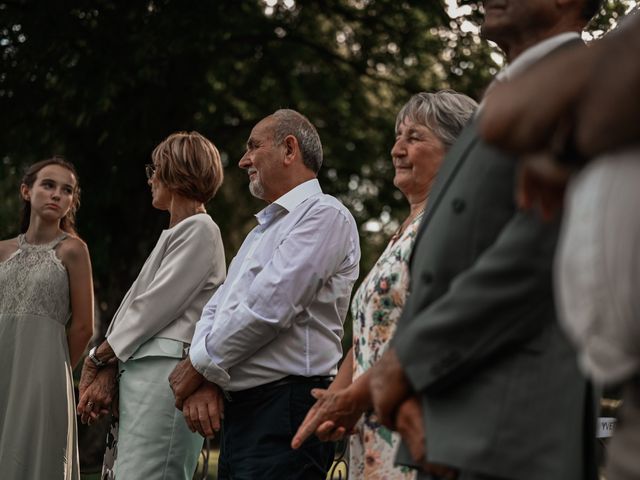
(256, 188)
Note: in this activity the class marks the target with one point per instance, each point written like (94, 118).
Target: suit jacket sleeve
(503, 301)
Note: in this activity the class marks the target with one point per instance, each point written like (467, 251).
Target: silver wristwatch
(92, 355)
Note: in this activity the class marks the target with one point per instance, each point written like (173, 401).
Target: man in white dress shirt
(272, 332)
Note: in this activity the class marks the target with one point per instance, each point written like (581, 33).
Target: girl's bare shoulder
(7, 248)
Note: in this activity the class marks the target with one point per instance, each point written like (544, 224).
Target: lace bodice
(33, 281)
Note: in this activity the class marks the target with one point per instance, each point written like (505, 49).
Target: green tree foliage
(102, 82)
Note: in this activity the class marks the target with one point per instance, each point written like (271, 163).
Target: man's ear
(291, 149)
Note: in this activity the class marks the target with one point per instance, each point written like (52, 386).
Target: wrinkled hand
(541, 185)
(184, 380)
(88, 375)
(410, 426)
(389, 387)
(97, 398)
(203, 409)
(334, 414)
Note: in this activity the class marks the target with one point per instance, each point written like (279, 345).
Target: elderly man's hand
(204, 409)
(410, 426)
(541, 185)
(184, 380)
(389, 387)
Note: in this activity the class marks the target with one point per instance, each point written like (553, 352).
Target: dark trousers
(258, 426)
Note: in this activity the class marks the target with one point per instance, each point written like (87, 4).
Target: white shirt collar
(532, 54)
(299, 194)
(289, 200)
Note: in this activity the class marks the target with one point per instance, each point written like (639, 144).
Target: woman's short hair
(189, 164)
(444, 112)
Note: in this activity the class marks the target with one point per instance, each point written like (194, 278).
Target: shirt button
(458, 205)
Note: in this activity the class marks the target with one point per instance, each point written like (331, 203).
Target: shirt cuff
(206, 367)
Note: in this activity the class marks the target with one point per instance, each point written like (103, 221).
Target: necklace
(408, 221)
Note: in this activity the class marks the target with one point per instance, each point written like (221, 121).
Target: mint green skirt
(154, 442)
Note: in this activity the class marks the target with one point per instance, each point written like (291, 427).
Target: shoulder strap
(57, 241)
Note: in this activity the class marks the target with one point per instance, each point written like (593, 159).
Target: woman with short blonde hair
(152, 329)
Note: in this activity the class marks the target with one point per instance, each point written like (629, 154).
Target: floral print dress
(376, 309)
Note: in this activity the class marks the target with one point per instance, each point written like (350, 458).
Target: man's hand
(541, 185)
(184, 380)
(608, 112)
(334, 414)
(521, 115)
(410, 425)
(203, 409)
(389, 387)
(96, 399)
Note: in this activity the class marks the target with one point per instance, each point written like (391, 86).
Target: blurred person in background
(594, 110)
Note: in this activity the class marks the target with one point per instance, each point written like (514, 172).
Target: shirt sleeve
(185, 267)
(309, 255)
(198, 352)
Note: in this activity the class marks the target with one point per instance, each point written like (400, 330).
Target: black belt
(254, 392)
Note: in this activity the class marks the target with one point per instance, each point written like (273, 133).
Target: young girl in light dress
(46, 321)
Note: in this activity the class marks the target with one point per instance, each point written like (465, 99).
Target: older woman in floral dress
(425, 128)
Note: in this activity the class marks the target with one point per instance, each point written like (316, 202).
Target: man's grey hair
(290, 122)
(445, 113)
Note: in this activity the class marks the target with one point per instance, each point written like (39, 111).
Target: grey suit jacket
(479, 340)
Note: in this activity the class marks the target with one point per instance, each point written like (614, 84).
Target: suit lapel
(450, 166)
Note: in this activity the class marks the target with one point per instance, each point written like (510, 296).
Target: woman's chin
(402, 181)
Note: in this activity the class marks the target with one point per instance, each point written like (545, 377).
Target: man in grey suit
(478, 353)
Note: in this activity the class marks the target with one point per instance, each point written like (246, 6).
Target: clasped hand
(201, 402)
(98, 392)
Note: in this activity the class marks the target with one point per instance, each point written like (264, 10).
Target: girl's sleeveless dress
(37, 404)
